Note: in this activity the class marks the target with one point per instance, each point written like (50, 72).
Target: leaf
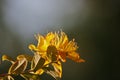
(8, 58)
(53, 74)
(52, 53)
(6, 78)
(55, 70)
(28, 57)
(10, 78)
(58, 68)
(18, 67)
(1, 78)
(37, 62)
(39, 71)
(29, 76)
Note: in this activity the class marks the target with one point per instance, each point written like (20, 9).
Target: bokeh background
(91, 22)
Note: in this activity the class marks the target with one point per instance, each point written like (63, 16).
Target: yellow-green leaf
(29, 76)
(18, 67)
(55, 70)
(1, 78)
(28, 57)
(10, 78)
(8, 58)
(6, 78)
(58, 68)
(37, 62)
(53, 74)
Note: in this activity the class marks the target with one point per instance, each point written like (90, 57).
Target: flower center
(52, 52)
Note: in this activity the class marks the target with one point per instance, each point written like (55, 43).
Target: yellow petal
(62, 56)
(63, 40)
(40, 40)
(49, 36)
(32, 47)
(71, 46)
(42, 44)
(75, 57)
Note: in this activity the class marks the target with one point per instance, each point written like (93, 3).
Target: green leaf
(29, 76)
(18, 67)
(37, 62)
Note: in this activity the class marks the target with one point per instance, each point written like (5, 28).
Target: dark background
(97, 37)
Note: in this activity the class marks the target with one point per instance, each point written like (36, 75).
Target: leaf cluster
(38, 66)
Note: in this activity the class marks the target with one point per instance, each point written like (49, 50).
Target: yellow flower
(57, 44)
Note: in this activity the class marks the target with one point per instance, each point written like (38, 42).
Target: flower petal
(32, 47)
(75, 57)
(49, 37)
(62, 56)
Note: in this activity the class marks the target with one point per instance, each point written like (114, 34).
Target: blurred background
(91, 22)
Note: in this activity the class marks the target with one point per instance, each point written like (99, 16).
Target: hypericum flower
(57, 44)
